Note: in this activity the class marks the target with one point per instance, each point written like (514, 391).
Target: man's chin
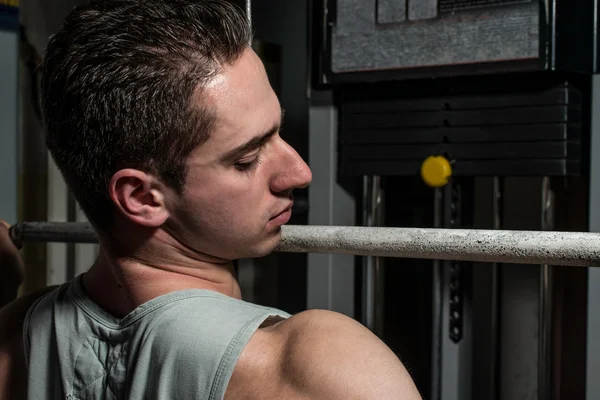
(266, 247)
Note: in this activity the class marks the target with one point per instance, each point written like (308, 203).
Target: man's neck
(121, 284)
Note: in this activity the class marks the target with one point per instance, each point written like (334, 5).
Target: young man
(164, 125)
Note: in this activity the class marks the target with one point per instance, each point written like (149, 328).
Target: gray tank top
(182, 345)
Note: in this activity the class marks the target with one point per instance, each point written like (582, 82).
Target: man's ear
(139, 197)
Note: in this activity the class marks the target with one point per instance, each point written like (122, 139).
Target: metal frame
(437, 301)
(372, 314)
(455, 362)
(456, 365)
(487, 212)
(546, 301)
(593, 312)
(330, 280)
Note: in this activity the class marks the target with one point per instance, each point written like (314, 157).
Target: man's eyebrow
(253, 143)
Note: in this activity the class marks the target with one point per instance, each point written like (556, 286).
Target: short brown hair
(117, 84)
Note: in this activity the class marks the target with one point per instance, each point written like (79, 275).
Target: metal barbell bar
(581, 249)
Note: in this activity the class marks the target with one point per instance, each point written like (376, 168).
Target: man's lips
(282, 217)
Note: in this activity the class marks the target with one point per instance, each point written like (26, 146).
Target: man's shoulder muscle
(319, 354)
(12, 362)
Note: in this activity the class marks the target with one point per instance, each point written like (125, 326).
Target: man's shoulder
(279, 338)
(316, 319)
(310, 323)
(320, 354)
(258, 371)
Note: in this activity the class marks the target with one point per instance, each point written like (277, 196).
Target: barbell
(581, 249)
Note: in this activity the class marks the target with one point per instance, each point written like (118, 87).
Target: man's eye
(247, 166)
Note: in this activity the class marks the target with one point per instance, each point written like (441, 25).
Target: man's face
(239, 185)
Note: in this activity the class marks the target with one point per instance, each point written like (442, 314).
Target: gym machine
(493, 99)
(463, 114)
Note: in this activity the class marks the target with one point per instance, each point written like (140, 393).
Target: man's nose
(291, 170)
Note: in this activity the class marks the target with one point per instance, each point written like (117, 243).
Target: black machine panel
(375, 40)
(518, 134)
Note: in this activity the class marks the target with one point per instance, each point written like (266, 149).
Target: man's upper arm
(328, 355)
(13, 370)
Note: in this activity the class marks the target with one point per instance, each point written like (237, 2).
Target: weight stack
(517, 134)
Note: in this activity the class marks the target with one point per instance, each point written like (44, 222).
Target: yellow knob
(436, 171)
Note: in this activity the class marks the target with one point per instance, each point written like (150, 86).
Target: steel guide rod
(578, 249)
